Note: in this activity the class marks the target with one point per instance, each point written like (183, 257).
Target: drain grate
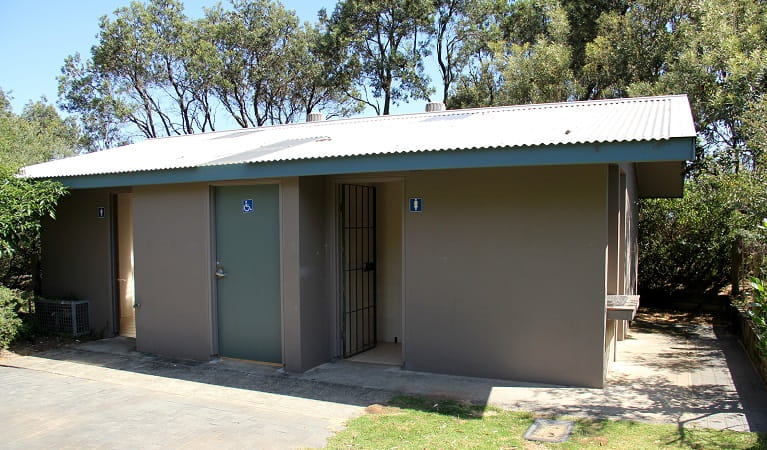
(547, 430)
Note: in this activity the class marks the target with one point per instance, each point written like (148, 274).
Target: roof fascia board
(675, 149)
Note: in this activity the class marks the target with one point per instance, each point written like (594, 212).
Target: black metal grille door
(357, 255)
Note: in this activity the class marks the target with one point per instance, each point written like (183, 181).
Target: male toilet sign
(247, 206)
(416, 204)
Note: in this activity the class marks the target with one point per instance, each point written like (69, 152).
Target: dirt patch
(595, 441)
(673, 317)
(673, 322)
(41, 344)
(377, 409)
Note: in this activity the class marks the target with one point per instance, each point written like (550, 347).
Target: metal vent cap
(435, 106)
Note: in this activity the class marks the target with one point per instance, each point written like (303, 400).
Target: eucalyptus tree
(174, 48)
(536, 63)
(253, 41)
(754, 129)
(140, 53)
(520, 55)
(451, 32)
(138, 73)
(722, 66)
(383, 45)
(584, 17)
(635, 46)
(88, 94)
(36, 135)
(315, 82)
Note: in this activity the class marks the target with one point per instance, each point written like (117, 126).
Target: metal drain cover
(547, 430)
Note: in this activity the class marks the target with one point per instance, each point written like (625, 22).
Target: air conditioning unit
(63, 316)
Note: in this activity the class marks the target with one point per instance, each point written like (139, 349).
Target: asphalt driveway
(75, 404)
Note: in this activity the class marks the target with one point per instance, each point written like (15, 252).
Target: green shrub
(10, 323)
(686, 245)
(756, 310)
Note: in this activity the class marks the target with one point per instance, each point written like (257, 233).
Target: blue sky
(37, 35)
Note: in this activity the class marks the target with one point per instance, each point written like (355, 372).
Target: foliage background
(38, 134)
(153, 72)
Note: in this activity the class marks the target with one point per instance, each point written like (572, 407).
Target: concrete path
(667, 371)
(104, 394)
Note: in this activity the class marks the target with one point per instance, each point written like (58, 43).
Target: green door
(248, 272)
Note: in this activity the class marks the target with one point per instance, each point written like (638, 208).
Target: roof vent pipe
(315, 117)
(435, 106)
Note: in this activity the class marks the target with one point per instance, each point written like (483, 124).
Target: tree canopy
(383, 45)
(155, 72)
(36, 135)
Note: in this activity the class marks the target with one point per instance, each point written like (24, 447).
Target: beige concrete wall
(290, 270)
(306, 303)
(314, 275)
(611, 328)
(173, 270)
(623, 247)
(77, 259)
(615, 254)
(504, 270)
(631, 227)
(614, 238)
(505, 273)
(390, 207)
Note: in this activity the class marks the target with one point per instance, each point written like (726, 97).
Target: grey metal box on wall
(63, 316)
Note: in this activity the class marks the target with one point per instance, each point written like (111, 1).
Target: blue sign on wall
(416, 204)
(247, 206)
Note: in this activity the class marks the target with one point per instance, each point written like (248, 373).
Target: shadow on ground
(653, 387)
(749, 385)
(120, 355)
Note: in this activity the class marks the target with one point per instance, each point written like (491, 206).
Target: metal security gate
(357, 278)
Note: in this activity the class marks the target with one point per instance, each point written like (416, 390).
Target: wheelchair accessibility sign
(247, 206)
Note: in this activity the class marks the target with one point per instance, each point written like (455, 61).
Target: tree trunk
(736, 264)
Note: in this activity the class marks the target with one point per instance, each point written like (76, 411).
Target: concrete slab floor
(104, 394)
(387, 353)
(689, 374)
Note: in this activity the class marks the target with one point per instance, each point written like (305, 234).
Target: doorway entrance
(125, 285)
(370, 270)
(357, 219)
(248, 272)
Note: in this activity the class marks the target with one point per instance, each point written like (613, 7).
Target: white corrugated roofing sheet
(620, 120)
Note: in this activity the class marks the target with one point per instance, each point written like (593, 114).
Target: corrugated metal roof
(620, 120)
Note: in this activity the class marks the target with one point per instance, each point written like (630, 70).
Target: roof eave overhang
(648, 155)
(660, 179)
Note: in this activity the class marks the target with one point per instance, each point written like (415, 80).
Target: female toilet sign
(247, 206)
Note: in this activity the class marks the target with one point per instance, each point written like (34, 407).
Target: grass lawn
(410, 422)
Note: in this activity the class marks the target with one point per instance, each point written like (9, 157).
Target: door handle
(219, 271)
